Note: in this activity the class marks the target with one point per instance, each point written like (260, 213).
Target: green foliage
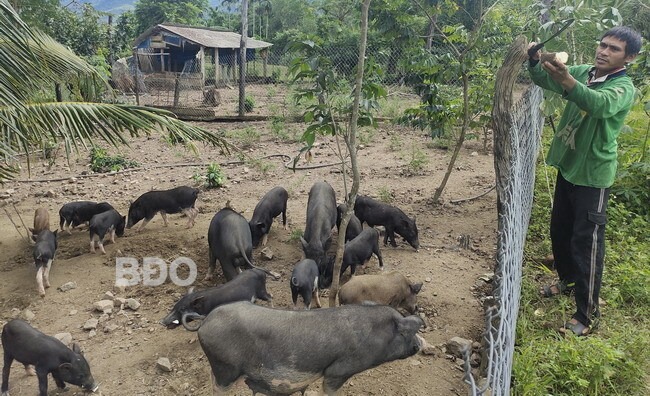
(246, 137)
(327, 98)
(632, 185)
(214, 176)
(296, 235)
(395, 143)
(101, 162)
(385, 195)
(149, 13)
(418, 160)
(249, 104)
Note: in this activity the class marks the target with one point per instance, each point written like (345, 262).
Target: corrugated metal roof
(207, 37)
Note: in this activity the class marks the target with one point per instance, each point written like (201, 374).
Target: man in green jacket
(584, 151)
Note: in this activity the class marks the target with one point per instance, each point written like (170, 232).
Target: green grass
(246, 137)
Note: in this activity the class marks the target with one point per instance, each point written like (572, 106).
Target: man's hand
(560, 74)
(535, 56)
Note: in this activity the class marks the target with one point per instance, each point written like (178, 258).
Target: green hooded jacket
(584, 146)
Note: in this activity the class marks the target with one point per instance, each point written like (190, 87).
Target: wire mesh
(501, 315)
(206, 84)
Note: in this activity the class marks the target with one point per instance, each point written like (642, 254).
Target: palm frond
(78, 124)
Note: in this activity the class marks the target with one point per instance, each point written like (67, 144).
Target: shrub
(101, 162)
(214, 176)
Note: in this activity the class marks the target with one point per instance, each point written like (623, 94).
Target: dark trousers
(578, 237)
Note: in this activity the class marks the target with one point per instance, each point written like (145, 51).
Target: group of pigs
(298, 345)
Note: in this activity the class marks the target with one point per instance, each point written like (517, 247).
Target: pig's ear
(195, 301)
(65, 367)
(415, 289)
(34, 237)
(76, 348)
(260, 225)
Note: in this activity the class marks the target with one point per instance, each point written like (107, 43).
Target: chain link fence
(207, 87)
(515, 210)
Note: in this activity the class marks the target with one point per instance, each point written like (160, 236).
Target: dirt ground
(124, 350)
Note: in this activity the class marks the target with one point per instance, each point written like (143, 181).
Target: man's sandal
(561, 287)
(578, 329)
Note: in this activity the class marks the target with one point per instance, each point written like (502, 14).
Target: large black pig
(302, 346)
(29, 346)
(76, 213)
(230, 242)
(391, 218)
(321, 218)
(247, 286)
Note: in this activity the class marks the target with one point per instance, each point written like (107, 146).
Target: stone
(91, 324)
(105, 306)
(28, 315)
(67, 286)
(164, 364)
(132, 304)
(108, 296)
(456, 345)
(111, 327)
(15, 312)
(65, 338)
(49, 194)
(92, 333)
(267, 253)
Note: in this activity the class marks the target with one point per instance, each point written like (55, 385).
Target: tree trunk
(461, 138)
(242, 57)
(351, 142)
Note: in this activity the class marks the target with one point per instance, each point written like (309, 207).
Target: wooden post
(162, 60)
(202, 60)
(264, 53)
(177, 89)
(136, 77)
(217, 68)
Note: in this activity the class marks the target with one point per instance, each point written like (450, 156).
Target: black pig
(391, 218)
(175, 200)
(270, 206)
(29, 346)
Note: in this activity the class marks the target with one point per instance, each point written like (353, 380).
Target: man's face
(610, 55)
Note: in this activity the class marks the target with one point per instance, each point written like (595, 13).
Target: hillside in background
(120, 6)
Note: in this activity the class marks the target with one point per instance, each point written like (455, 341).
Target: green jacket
(584, 146)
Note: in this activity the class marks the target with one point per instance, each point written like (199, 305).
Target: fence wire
(205, 86)
(501, 316)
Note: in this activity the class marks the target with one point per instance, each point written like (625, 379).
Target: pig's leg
(29, 370)
(92, 243)
(57, 379)
(331, 385)
(113, 236)
(265, 238)
(143, 224)
(164, 216)
(190, 217)
(284, 217)
(5, 372)
(317, 296)
(46, 274)
(391, 234)
(39, 281)
(41, 373)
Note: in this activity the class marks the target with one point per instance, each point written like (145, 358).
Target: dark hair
(631, 37)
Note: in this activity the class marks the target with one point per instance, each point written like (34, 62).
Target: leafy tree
(149, 13)
(31, 63)
(124, 35)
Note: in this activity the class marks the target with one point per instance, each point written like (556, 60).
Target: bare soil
(124, 358)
